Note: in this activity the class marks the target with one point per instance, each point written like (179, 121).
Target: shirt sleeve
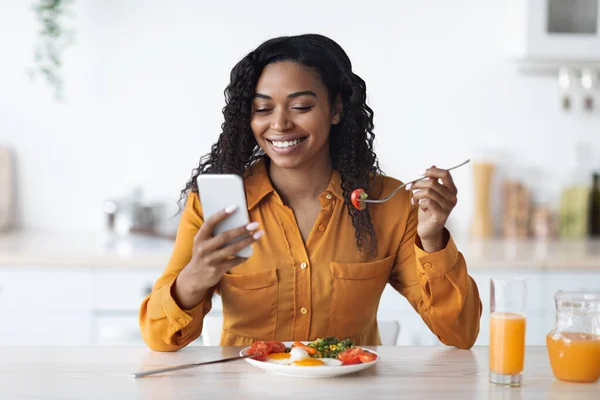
(438, 287)
(163, 324)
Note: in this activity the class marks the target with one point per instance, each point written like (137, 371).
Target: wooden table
(402, 373)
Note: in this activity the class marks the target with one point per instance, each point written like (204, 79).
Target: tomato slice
(350, 356)
(356, 198)
(276, 347)
(367, 356)
(261, 349)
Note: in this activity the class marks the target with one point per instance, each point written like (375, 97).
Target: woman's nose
(280, 121)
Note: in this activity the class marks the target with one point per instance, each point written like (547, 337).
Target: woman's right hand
(211, 258)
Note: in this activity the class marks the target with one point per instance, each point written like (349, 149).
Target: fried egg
(317, 362)
(298, 357)
(279, 358)
(298, 354)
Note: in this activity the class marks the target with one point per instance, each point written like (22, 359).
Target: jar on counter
(574, 342)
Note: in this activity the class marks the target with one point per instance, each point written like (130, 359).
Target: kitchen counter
(402, 373)
(66, 249)
(104, 250)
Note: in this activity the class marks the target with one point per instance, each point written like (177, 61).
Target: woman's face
(292, 116)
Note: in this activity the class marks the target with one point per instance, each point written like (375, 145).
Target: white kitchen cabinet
(569, 280)
(117, 296)
(121, 289)
(567, 30)
(414, 332)
(111, 330)
(45, 328)
(31, 288)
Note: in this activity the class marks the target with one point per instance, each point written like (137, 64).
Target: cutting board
(7, 188)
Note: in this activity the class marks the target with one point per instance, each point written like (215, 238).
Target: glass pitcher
(574, 342)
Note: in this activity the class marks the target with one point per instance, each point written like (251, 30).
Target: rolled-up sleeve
(163, 324)
(438, 287)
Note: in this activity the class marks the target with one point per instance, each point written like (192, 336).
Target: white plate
(307, 372)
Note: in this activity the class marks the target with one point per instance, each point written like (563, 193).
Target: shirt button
(182, 321)
(427, 265)
(321, 228)
(303, 310)
(303, 265)
(328, 197)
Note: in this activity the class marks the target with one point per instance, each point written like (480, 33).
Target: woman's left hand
(436, 198)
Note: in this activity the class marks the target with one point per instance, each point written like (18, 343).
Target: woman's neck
(303, 183)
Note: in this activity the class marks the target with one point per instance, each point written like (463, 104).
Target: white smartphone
(217, 191)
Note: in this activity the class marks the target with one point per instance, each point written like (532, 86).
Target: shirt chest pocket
(250, 303)
(357, 289)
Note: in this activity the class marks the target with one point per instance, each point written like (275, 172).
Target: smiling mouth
(285, 144)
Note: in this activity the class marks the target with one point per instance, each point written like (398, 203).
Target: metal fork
(408, 183)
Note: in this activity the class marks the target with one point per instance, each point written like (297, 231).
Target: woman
(298, 129)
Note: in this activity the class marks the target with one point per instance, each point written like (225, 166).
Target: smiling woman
(298, 130)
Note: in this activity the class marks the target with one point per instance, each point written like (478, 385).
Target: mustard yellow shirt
(289, 290)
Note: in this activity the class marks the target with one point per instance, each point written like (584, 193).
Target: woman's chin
(285, 162)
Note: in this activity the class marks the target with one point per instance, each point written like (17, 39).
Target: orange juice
(574, 356)
(507, 343)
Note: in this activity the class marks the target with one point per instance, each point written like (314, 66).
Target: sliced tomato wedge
(350, 356)
(367, 356)
(261, 349)
(357, 198)
(276, 347)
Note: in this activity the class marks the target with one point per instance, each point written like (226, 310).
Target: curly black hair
(351, 140)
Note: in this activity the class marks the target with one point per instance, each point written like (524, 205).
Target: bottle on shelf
(594, 211)
(575, 197)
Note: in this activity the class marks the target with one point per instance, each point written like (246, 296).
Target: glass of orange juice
(573, 343)
(507, 330)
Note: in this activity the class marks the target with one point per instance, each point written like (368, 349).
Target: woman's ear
(338, 110)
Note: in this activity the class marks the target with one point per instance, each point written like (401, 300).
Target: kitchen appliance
(7, 189)
(133, 215)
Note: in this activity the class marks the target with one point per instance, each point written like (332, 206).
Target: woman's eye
(262, 110)
(302, 108)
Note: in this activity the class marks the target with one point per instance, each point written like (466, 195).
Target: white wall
(145, 82)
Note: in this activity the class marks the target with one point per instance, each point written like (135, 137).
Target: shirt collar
(258, 184)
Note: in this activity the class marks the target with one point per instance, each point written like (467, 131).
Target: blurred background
(106, 106)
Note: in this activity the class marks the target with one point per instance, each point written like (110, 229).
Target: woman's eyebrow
(290, 96)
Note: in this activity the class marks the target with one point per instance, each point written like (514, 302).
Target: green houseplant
(52, 39)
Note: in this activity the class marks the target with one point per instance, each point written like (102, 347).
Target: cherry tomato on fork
(357, 198)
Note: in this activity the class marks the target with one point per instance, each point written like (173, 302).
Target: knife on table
(141, 374)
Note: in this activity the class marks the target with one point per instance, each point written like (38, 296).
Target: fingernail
(230, 209)
(412, 201)
(252, 226)
(258, 235)
(408, 186)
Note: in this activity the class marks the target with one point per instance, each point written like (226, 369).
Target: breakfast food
(327, 352)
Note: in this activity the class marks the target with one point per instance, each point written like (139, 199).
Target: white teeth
(286, 144)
